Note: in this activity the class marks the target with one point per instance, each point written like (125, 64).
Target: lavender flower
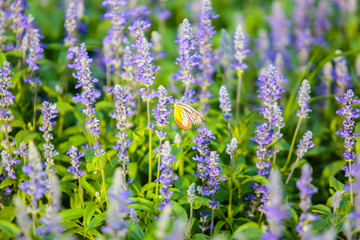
(188, 57)
(22, 151)
(350, 113)
(322, 23)
(88, 95)
(214, 178)
(279, 26)
(166, 177)
(16, 14)
(51, 222)
(191, 193)
(161, 112)
(118, 208)
(122, 98)
(133, 216)
(6, 97)
(37, 185)
(341, 74)
(225, 52)
(71, 23)
(356, 212)
(35, 49)
(263, 46)
(128, 61)
(335, 202)
(225, 104)
(303, 99)
(7, 163)
(157, 44)
(306, 191)
(177, 139)
(203, 140)
(75, 156)
(22, 219)
(206, 66)
(240, 49)
(49, 112)
(305, 144)
(275, 210)
(232, 146)
(116, 35)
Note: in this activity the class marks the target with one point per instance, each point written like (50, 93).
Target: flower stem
(7, 137)
(292, 144)
(231, 187)
(212, 219)
(291, 172)
(102, 171)
(274, 158)
(81, 193)
(351, 187)
(35, 100)
(108, 76)
(191, 217)
(238, 96)
(150, 132)
(158, 171)
(141, 235)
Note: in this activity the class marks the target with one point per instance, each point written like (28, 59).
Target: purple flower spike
(75, 156)
(8, 163)
(341, 75)
(240, 49)
(167, 174)
(303, 99)
(305, 144)
(161, 112)
(306, 192)
(188, 57)
(350, 113)
(275, 209)
(225, 104)
(71, 23)
(49, 112)
(7, 98)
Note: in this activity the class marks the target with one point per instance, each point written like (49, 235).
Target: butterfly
(185, 115)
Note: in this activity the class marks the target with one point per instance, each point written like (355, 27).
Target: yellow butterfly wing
(185, 116)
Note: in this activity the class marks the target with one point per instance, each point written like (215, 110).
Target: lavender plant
(75, 156)
(348, 133)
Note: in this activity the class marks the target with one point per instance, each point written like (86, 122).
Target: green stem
(35, 100)
(238, 96)
(261, 214)
(158, 171)
(230, 132)
(141, 235)
(150, 133)
(274, 158)
(291, 172)
(108, 76)
(212, 221)
(7, 137)
(351, 187)
(81, 193)
(292, 144)
(102, 171)
(191, 217)
(61, 124)
(231, 187)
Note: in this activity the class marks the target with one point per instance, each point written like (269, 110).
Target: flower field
(145, 119)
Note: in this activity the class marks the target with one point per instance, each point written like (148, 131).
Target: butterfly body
(185, 115)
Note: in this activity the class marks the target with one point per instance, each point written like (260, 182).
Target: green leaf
(95, 221)
(256, 178)
(7, 182)
(179, 211)
(9, 228)
(147, 187)
(71, 214)
(218, 226)
(200, 201)
(200, 236)
(64, 106)
(333, 182)
(138, 206)
(320, 208)
(15, 53)
(25, 136)
(139, 134)
(90, 189)
(90, 209)
(8, 213)
(248, 230)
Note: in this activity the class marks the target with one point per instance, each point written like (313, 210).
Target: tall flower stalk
(187, 60)
(306, 191)
(161, 114)
(303, 100)
(87, 97)
(206, 66)
(167, 175)
(116, 37)
(191, 199)
(275, 209)
(49, 112)
(225, 106)
(75, 156)
(6, 100)
(348, 133)
(146, 76)
(240, 66)
(230, 149)
(305, 144)
(121, 113)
